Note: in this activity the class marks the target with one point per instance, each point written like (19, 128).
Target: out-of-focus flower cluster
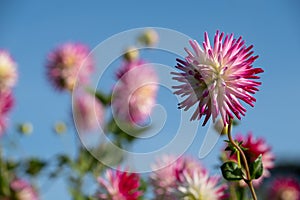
(8, 79)
(182, 178)
(70, 67)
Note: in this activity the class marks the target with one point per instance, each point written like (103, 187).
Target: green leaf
(256, 168)
(230, 147)
(63, 160)
(125, 131)
(103, 98)
(231, 171)
(235, 122)
(35, 166)
(12, 165)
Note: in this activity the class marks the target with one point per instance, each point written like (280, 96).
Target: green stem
(239, 159)
(233, 192)
(246, 166)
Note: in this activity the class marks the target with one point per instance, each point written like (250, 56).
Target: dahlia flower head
(254, 148)
(23, 190)
(118, 185)
(134, 95)
(88, 112)
(184, 178)
(217, 78)
(69, 64)
(8, 71)
(6, 104)
(284, 188)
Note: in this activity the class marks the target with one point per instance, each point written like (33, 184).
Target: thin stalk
(248, 180)
(239, 159)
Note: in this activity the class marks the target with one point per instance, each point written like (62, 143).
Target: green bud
(220, 128)
(149, 37)
(60, 127)
(131, 54)
(25, 128)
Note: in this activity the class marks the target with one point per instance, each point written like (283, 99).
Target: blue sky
(30, 29)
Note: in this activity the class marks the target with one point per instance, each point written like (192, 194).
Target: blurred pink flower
(127, 66)
(134, 94)
(255, 147)
(170, 177)
(284, 188)
(200, 185)
(69, 64)
(88, 112)
(8, 71)
(6, 104)
(168, 172)
(119, 186)
(217, 78)
(23, 190)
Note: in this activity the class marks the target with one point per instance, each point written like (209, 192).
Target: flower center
(70, 61)
(5, 71)
(288, 194)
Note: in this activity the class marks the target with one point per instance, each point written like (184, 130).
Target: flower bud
(149, 37)
(25, 128)
(60, 127)
(131, 54)
(220, 128)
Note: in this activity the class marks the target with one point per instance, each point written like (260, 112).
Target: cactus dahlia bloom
(284, 188)
(8, 71)
(23, 190)
(170, 178)
(119, 186)
(255, 147)
(69, 64)
(6, 104)
(217, 77)
(88, 112)
(134, 95)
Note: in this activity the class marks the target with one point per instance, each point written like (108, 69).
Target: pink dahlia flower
(23, 190)
(217, 77)
(284, 189)
(119, 186)
(135, 93)
(127, 66)
(6, 104)
(88, 112)
(168, 173)
(69, 64)
(254, 148)
(8, 71)
(170, 178)
(200, 185)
